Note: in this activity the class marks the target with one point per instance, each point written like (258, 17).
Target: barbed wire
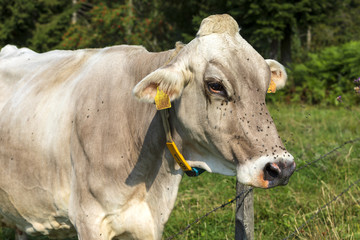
(321, 208)
(327, 154)
(335, 198)
(246, 192)
(250, 189)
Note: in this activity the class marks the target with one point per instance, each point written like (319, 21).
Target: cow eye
(216, 87)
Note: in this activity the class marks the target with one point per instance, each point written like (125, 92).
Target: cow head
(218, 84)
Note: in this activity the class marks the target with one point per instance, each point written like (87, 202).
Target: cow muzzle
(266, 172)
(278, 173)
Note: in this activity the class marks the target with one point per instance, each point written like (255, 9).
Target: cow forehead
(237, 58)
(215, 45)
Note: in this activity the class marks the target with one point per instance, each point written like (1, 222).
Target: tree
(270, 25)
(16, 21)
(111, 23)
(340, 27)
(35, 24)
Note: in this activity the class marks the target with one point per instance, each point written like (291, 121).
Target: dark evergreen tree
(340, 27)
(35, 24)
(270, 25)
(109, 23)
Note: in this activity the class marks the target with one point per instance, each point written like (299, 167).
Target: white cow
(79, 154)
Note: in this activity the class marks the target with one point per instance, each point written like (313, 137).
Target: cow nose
(278, 173)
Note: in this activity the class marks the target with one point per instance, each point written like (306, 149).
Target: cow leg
(87, 217)
(86, 231)
(85, 212)
(20, 235)
(92, 227)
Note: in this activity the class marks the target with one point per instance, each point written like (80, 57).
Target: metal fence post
(244, 215)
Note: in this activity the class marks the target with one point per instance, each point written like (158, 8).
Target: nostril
(272, 171)
(278, 173)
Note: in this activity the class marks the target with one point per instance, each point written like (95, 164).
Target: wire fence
(297, 229)
(208, 213)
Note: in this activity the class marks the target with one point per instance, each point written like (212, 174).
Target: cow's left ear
(171, 79)
(278, 73)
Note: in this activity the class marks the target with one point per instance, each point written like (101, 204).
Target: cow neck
(163, 105)
(170, 144)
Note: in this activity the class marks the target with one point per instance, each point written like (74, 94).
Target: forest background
(319, 41)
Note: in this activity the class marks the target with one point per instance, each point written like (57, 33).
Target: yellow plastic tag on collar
(162, 100)
(272, 87)
(178, 157)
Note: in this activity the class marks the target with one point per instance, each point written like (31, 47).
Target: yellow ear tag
(162, 100)
(272, 87)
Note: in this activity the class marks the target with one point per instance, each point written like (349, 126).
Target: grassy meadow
(308, 132)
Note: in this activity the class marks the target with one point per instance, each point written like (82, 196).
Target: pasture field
(308, 132)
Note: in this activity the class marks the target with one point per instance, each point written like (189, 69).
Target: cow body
(80, 155)
(54, 126)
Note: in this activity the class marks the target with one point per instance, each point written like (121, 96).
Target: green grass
(308, 132)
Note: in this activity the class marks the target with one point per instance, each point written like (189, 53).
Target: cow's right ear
(171, 79)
